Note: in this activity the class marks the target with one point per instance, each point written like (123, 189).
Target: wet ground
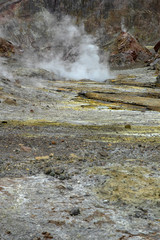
(79, 159)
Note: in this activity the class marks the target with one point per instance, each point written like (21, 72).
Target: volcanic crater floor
(80, 159)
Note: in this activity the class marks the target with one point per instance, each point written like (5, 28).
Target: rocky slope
(102, 18)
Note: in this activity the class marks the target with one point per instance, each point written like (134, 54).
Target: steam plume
(58, 45)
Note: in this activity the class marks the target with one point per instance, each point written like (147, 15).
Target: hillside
(102, 18)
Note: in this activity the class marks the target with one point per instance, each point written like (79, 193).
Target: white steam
(73, 54)
(59, 46)
(86, 66)
(4, 71)
(78, 57)
(123, 27)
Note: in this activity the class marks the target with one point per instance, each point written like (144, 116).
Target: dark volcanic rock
(6, 48)
(157, 47)
(75, 211)
(158, 81)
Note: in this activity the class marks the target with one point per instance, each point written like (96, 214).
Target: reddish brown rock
(126, 50)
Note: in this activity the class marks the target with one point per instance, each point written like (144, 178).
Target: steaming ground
(59, 46)
(87, 65)
(5, 71)
(81, 60)
(73, 167)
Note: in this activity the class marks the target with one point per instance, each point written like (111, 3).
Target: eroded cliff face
(101, 18)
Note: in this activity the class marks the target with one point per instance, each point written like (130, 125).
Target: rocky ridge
(102, 18)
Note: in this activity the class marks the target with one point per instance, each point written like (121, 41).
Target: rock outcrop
(126, 50)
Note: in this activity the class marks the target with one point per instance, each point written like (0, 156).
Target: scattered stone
(61, 187)
(128, 126)
(63, 89)
(140, 214)
(69, 188)
(52, 174)
(42, 158)
(57, 223)
(103, 154)
(58, 171)
(17, 83)
(51, 155)
(105, 201)
(64, 176)
(157, 47)
(10, 101)
(75, 211)
(47, 235)
(48, 170)
(25, 148)
(4, 122)
(158, 81)
(7, 49)
(5, 80)
(17, 150)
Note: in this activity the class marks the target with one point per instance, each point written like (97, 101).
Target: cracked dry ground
(80, 160)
